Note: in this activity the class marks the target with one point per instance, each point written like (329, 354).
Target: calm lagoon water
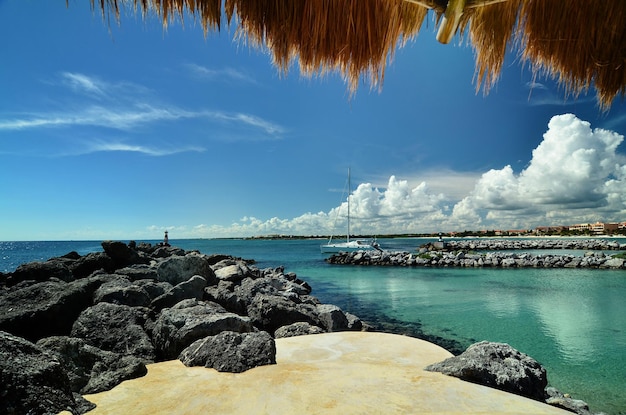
(573, 321)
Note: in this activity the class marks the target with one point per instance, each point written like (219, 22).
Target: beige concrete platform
(335, 373)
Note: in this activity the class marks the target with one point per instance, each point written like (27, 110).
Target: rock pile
(489, 244)
(76, 324)
(475, 260)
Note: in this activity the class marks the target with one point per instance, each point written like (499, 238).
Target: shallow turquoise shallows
(573, 321)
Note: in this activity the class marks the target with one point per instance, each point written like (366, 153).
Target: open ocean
(573, 321)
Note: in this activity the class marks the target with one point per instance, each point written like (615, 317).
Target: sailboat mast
(349, 191)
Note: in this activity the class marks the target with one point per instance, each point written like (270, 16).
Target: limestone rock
(47, 308)
(31, 380)
(223, 294)
(122, 254)
(497, 365)
(558, 399)
(190, 289)
(90, 369)
(332, 318)
(88, 264)
(231, 352)
(41, 271)
(269, 312)
(177, 269)
(190, 320)
(116, 328)
(297, 329)
(120, 290)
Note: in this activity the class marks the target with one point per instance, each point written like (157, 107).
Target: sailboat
(349, 245)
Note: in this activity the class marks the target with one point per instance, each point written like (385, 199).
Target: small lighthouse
(166, 240)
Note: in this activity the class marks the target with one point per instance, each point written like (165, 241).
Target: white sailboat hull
(351, 246)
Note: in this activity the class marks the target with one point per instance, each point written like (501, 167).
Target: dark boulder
(499, 366)
(269, 312)
(190, 320)
(297, 329)
(154, 288)
(138, 272)
(116, 328)
(90, 369)
(177, 269)
(47, 308)
(88, 264)
(223, 294)
(40, 271)
(120, 290)
(231, 352)
(167, 251)
(122, 254)
(190, 289)
(31, 380)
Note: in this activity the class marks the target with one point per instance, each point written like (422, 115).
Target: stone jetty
(495, 244)
(470, 259)
(78, 325)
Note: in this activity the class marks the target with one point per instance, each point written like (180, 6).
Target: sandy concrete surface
(334, 373)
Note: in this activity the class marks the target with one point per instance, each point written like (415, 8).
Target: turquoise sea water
(573, 321)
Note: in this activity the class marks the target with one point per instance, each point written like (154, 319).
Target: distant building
(542, 230)
(597, 228)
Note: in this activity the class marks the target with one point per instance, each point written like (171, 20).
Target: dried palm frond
(580, 43)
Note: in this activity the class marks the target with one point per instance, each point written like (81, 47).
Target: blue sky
(121, 131)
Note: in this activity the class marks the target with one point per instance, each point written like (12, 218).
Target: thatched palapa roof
(580, 43)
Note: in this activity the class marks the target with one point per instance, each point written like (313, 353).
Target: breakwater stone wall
(475, 260)
(512, 244)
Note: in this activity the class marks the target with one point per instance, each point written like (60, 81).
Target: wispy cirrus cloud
(127, 110)
(229, 74)
(98, 146)
(84, 84)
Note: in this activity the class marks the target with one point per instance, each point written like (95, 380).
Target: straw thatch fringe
(579, 43)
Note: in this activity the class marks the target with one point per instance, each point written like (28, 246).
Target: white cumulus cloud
(576, 175)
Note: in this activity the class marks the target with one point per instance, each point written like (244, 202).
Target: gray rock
(191, 289)
(177, 269)
(88, 264)
(231, 352)
(558, 399)
(138, 272)
(40, 271)
(297, 329)
(354, 323)
(499, 366)
(332, 318)
(116, 328)
(231, 272)
(120, 290)
(190, 320)
(223, 294)
(613, 263)
(122, 255)
(269, 312)
(154, 288)
(90, 369)
(31, 380)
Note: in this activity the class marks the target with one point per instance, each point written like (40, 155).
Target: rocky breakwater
(476, 260)
(76, 324)
(490, 244)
